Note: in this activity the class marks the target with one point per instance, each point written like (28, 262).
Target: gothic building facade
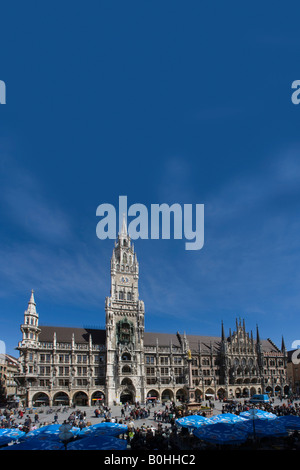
(124, 363)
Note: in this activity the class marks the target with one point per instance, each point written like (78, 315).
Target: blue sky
(165, 102)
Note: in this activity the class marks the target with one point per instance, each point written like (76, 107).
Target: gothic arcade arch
(80, 398)
(181, 395)
(97, 398)
(154, 394)
(40, 399)
(61, 399)
(167, 395)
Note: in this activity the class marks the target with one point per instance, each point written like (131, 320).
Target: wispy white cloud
(73, 278)
(45, 253)
(26, 204)
(249, 262)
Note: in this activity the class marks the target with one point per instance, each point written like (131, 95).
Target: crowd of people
(160, 432)
(290, 406)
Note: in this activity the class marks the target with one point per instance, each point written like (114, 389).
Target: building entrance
(126, 397)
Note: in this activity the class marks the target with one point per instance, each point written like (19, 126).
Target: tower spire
(257, 335)
(31, 304)
(31, 300)
(223, 333)
(283, 349)
(124, 226)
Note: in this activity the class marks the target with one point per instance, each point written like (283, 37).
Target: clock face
(124, 279)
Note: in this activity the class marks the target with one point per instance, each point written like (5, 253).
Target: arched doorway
(167, 395)
(80, 399)
(152, 395)
(60, 399)
(221, 393)
(277, 390)
(198, 395)
(181, 395)
(40, 399)
(209, 394)
(126, 397)
(269, 390)
(98, 398)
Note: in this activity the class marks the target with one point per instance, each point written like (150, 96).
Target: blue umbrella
(226, 418)
(258, 414)
(290, 421)
(51, 430)
(106, 429)
(10, 431)
(263, 428)
(98, 442)
(192, 421)
(8, 435)
(42, 442)
(221, 433)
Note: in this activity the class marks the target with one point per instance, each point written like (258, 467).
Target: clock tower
(124, 326)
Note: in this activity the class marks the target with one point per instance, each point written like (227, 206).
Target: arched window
(126, 370)
(126, 357)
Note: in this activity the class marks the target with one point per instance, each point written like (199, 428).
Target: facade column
(191, 388)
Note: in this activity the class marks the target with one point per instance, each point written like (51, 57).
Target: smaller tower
(30, 327)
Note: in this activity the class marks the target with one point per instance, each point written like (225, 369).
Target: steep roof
(81, 335)
(205, 342)
(64, 334)
(164, 339)
(269, 346)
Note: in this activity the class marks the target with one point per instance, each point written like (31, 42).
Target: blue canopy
(290, 421)
(51, 430)
(221, 433)
(8, 435)
(226, 418)
(42, 442)
(263, 427)
(257, 414)
(192, 421)
(98, 442)
(106, 429)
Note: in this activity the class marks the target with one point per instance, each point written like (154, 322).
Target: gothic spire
(31, 304)
(223, 334)
(257, 335)
(124, 226)
(31, 300)
(282, 345)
